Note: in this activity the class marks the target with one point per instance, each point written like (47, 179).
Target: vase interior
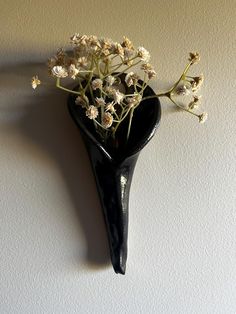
(146, 118)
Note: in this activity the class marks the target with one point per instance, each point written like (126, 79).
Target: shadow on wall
(47, 123)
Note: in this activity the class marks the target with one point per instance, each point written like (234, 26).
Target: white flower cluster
(88, 49)
(108, 88)
(96, 63)
(189, 85)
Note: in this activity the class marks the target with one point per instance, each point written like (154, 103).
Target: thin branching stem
(130, 122)
(65, 89)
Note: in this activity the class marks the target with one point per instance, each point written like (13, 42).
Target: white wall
(182, 235)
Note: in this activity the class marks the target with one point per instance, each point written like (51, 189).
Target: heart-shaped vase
(113, 167)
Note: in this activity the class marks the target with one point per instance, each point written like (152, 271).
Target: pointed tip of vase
(119, 269)
(119, 263)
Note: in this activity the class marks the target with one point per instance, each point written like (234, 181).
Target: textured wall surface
(182, 233)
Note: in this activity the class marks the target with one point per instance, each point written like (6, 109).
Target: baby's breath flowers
(59, 71)
(92, 112)
(96, 84)
(143, 54)
(35, 81)
(111, 79)
(83, 101)
(194, 57)
(107, 120)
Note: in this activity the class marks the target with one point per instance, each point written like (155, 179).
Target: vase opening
(145, 120)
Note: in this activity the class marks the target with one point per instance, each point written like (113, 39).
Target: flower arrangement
(97, 66)
(111, 82)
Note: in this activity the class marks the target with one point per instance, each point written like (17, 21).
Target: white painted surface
(182, 235)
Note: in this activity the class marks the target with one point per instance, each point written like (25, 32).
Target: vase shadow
(47, 123)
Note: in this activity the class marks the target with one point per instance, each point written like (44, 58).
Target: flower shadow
(47, 123)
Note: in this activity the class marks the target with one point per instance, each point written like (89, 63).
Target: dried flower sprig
(35, 82)
(96, 64)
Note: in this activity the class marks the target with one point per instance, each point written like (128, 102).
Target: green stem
(115, 65)
(115, 69)
(100, 124)
(124, 116)
(156, 96)
(98, 69)
(90, 75)
(130, 121)
(91, 93)
(181, 77)
(65, 89)
(132, 65)
(116, 115)
(181, 107)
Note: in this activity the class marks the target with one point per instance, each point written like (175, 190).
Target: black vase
(113, 167)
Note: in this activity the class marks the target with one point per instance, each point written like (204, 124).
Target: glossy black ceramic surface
(113, 167)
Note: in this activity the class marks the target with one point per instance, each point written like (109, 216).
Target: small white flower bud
(107, 120)
(92, 112)
(35, 82)
(59, 71)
